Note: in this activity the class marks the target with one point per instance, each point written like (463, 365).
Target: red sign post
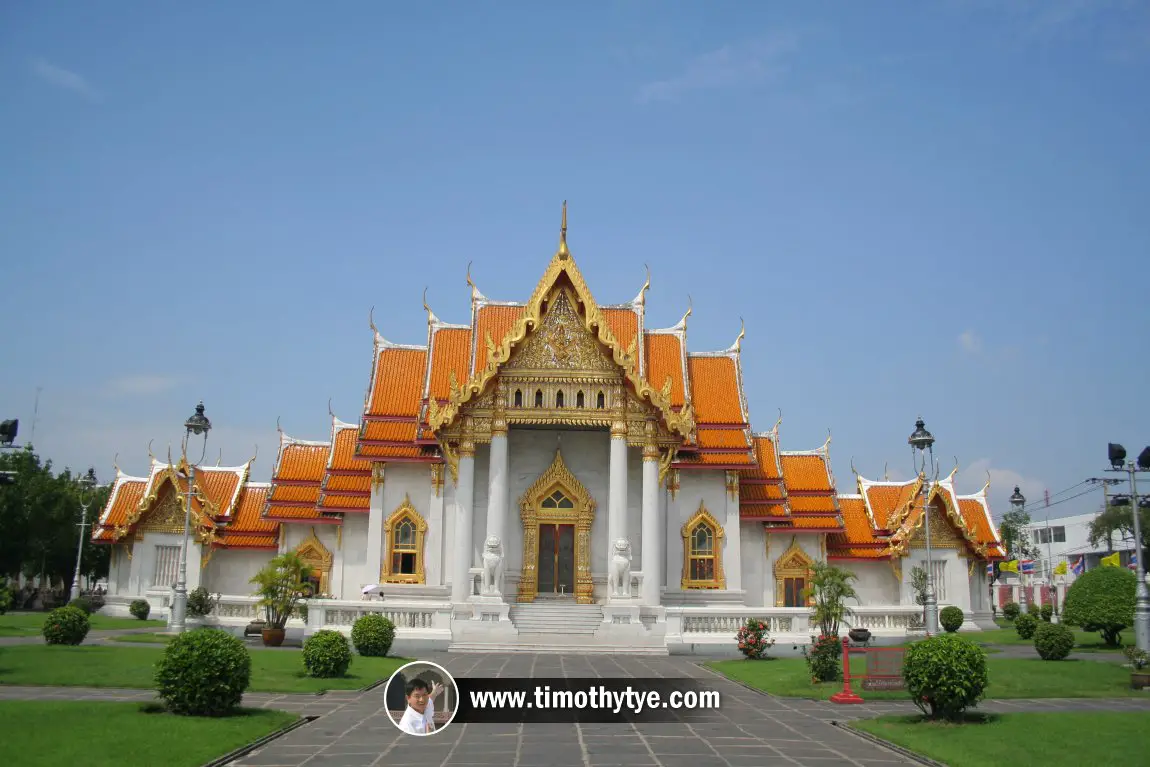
(883, 671)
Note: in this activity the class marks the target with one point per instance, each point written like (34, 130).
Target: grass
(1084, 641)
(25, 624)
(1010, 678)
(134, 667)
(1020, 740)
(114, 734)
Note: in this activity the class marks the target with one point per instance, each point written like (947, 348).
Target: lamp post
(1017, 503)
(1118, 462)
(922, 443)
(87, 485)
(197, 424)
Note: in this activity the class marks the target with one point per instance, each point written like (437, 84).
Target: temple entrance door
(557, 559)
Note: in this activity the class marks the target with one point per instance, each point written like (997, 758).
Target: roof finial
(150, 454)
(563, 252)
(430, 314)
(371, 320)
(116, 462)
(690, 305)
(256, 454)
(775, 428)
(220, 457)
(987, 485)
(329, 410)
(642, 297)
(853, 469)
(742, 333)
(278, 428)
(885, 472)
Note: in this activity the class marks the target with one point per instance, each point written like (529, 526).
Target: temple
(552, 474)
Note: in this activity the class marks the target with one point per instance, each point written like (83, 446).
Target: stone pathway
(750, 729)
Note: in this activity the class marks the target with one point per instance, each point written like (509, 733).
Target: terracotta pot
(273, 637)
(1140, 679)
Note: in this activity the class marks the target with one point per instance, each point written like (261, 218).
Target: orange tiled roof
(761, 489)
(296, 479)
(715, 390)
(664, 359)
(450, 354)
(249, 529)
(624, 322)
(395, 399)
(857, 541)
(346, 484)
(495, 320)
(127, 492)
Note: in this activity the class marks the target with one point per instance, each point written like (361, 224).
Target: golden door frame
(532, 514)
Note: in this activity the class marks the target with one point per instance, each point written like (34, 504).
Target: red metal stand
(847, 695)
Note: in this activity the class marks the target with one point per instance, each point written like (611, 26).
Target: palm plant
(831, 587)
(280, 585)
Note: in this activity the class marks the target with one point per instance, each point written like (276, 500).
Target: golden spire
(563, 252)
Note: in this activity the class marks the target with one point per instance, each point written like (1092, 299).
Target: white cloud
(972, 478)
(970, 342)
(64, 78)
(729, 66)
(140, 385)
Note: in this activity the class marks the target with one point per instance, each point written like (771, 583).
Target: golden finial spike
(169, 453)
(885, 472)
(853, 469)
(642, 297)
(469, 282)
(256, 454)
(278, 428)
(426, 308)
(220, 457)
(987, 485)
(690, 307)
(116, 463)
(150, 455)
(371, 320)
(775, 428)
(742, 334)
(563, 252)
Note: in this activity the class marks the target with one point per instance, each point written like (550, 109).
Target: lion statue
(492, 559)
(619, 583)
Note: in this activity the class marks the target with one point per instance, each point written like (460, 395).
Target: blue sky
(934, 208)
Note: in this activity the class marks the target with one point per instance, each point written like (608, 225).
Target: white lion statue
(492, 559)
(620, 572)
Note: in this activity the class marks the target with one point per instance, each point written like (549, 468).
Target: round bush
(84, 603)
(951, 618)
(753, 640)
(1010, 611)
(1053, 641)
(945, 675)
(1025, 625)
(1047, 612)
(140, 608)
(204, 672)
(66, 625)
(326, 654)
(372, 635)
(1102, 600)
(824, 659)
(1032, 609)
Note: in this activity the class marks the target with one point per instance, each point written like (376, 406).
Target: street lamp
(87, 486)
(197, 424)
(922, 443)
(1017, 503)
(1118, 462)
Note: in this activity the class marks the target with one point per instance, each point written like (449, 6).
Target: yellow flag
(1009, 567)
(1114, 560)
(1060, 568)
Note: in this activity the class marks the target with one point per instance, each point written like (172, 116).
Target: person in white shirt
(419, 718)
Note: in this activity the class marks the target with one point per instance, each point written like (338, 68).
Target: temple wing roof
(296, 480)
(346, 484)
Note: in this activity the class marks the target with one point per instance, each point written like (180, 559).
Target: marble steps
(556, 618)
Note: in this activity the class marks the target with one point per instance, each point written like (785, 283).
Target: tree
(831, 587)
(1118, 521)
(918, 586)
(1013, 532)
(1102, 600)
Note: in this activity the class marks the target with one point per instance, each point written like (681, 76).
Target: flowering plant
(753, 640)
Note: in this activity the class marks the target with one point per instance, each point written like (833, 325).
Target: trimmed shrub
(1032, 609)
(140, 608)
(951, 618)
(824, 658)
(204, 673)
(66, 625)
(200, 602)
(1010, 611)
(1053, 641)
(1102, 600)
(326, 654)
(83, 603)
(372, 635)
(945, 675)
(1025, 625)
(1047, 612)
(753, 640)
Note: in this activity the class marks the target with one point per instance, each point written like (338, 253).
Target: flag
(989, 569)
(1009, 567)
(1079, 566)
(1133, 562)
(1027, 566)
(1060, 568)
(1114, 560)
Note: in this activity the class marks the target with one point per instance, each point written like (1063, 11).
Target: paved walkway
(750, 730)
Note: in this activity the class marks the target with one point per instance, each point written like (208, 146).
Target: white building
(1067, 539)
(552, 475)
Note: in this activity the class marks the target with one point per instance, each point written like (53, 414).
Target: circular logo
(421, 698)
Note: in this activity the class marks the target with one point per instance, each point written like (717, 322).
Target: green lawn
(54, 733)
(1009, 678)
(110, 666)
(1083, 641)
(1022, 740)
(24, 624)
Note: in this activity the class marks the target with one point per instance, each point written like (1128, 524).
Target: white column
(652, 534)
(464, 516)
(375, 527)
(617, 481)
(498, 487)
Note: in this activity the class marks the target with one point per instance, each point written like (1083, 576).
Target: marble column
(465, 514)
(652, 535)
(617, 484)
(498, 483)
(375, 526)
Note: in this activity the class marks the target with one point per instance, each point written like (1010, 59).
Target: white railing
(893, 619)
(720, 624)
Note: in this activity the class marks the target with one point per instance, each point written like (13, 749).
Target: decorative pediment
(314, 554)
(562, 344)
(161, 509)
(794, 559)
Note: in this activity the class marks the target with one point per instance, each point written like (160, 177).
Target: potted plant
(280, 585)
(1140, 676)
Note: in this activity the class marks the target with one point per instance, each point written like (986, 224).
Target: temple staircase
(558, 626)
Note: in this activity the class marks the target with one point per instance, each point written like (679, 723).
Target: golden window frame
(406, 511)
(318, 559)
(793, 563)
(703, 517)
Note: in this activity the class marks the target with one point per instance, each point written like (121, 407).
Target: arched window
(538, 398)
(557, 500)
(518, 398)
(404, 531)
(559, 399)
(703, 552)
(579, 399)
(600, 401)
